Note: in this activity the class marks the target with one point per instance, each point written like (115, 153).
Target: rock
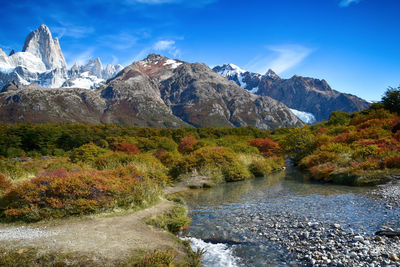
(358, 238)
(388, 233)
(394, 257)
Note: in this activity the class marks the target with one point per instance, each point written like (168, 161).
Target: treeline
(54, 139)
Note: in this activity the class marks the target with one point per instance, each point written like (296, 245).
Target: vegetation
(359, 148)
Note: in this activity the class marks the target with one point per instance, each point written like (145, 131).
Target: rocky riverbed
(390, 193)
(283, 221)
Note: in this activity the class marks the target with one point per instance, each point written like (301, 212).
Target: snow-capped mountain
(42, 62)
(310, 99)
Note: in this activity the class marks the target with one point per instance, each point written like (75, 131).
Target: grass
(174, 220)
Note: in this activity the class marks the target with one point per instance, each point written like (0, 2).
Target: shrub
(266, 146)
(365, 152)
(169, 159)
(86, 153)
(339, 118)
(299, 143)
(61, 193)
(322, 172)
(392, 162)
(187, 144)
(5, 184)
(320, 158)
(158, 258)
(211, 158)
(127, 148)
(174, 220)
(265, 166)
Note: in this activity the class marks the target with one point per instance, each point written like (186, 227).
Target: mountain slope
(156, 92)
(299, 93)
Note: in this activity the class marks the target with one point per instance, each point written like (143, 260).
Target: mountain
(42, 62)
(308, 97)
(155, 92)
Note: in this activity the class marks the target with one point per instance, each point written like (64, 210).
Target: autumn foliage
(187, 144)
(266, 146)
(61, 193)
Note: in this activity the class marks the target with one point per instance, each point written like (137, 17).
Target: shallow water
(221, 215)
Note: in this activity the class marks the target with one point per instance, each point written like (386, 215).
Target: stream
(286, 219)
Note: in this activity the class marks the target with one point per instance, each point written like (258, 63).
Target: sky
(352, 44)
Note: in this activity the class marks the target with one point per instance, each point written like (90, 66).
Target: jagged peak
(271, 74)
(41, 44)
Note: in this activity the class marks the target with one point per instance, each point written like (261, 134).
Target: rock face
(156, 92)
(42, 62)
(41, 44)
(299, 93)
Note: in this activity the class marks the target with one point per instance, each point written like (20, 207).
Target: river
(232, 221)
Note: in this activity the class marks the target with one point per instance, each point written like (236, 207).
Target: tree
(391, 99)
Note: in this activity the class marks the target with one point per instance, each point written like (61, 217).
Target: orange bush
(266, 146)
(61, 193)
(5, 184)
(322, 172)
(127, 148)
(392, 162)
(320, 158)
(187, 144)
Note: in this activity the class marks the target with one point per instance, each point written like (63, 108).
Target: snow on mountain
(173, 64)
(306, 117)
(241, 77)
(42, 61)
(85, 80)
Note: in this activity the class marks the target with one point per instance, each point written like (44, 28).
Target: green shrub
(174, 220)
(87, 153)
(299, 143)
(158, 258)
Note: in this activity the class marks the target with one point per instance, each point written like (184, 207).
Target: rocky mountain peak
(12, 52)
(271, 74)
(41, 44)
(95, 67)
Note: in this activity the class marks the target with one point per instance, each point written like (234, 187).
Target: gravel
(24, 233)
(390, 193)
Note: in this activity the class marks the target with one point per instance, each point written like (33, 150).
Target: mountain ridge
(303, 94)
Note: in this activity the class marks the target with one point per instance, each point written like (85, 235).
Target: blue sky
(353, 44)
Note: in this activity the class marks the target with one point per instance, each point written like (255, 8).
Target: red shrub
(384, 144)
(265, 145)
(392, 162)
(127, 148)
(397, 136)
(187, 144)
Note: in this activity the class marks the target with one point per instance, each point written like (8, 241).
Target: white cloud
(166, 47)
(346, 3)
(283, 58)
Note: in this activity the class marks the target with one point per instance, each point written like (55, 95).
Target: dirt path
(113, 238)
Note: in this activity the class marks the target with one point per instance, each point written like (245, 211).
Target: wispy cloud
(81, 58)
(120, 41)
(166, 47)
(72, 31)
(346, 3)
(283, 58)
